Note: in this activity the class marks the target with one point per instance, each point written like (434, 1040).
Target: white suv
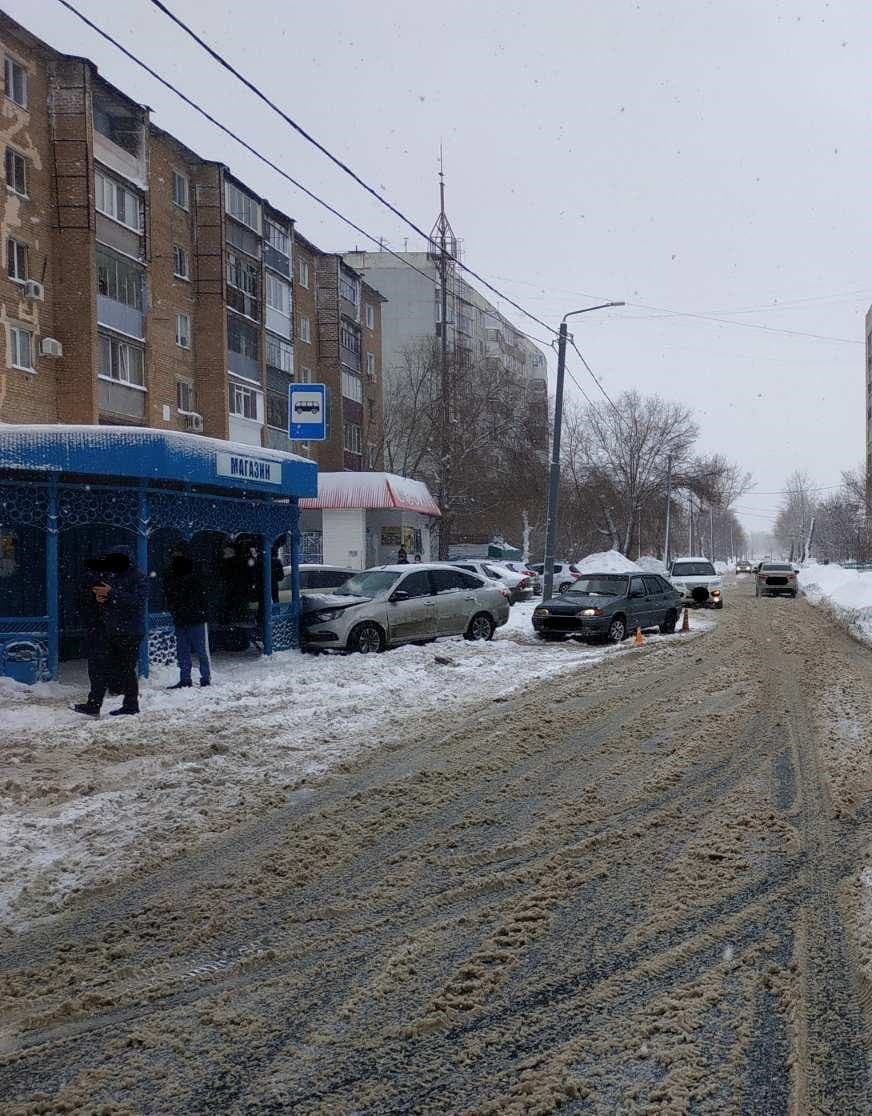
(697, 581)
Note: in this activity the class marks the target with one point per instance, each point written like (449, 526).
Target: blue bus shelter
(69, 492)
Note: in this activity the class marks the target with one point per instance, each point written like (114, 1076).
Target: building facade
(145, 285)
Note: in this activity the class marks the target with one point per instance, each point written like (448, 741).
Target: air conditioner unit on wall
(194, 422)
(34, 291)
(51, 348)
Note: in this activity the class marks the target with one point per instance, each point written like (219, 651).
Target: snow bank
(651, 564)
(83, 802)
(847, 594)
(607, 561)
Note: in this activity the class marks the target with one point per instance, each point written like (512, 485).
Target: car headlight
(591, 612)
(716, 592)
(541, 612)
(327, 615)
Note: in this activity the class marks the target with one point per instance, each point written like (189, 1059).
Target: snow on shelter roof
(372, 490)
(143, 453)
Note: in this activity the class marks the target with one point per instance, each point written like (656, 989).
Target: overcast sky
(691, 158)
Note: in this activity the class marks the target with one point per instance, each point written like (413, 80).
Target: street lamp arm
(587, 309)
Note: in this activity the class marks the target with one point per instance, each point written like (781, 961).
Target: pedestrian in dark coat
(402, 557)
(113, 600)
(185, 592)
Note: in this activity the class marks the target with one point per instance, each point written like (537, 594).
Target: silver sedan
(391, 605)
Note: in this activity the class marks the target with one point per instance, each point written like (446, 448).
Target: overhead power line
(343, 166)
(663, 311)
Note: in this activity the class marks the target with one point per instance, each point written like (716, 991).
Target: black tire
(756, 590)
(366, 638)
(563, 586)
(617, 629)
(481, 627)
(668, 625)
(794, 593)
(720, 604)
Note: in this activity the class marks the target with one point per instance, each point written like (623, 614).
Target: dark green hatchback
(609, 606)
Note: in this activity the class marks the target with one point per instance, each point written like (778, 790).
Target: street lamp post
(554, 475)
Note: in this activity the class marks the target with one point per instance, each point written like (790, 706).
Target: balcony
(276, 260)
(119, 399)
(278, 323)
(242, 365)
(349, 358)
(120, 316)
(243, 303)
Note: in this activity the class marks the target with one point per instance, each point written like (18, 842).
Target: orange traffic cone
(685, 624)
(639, 639)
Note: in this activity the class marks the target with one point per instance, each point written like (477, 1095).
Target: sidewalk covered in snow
(67, 493)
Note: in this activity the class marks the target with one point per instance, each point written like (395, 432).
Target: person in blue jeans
(186, 599)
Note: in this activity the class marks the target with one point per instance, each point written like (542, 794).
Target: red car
(776, 577)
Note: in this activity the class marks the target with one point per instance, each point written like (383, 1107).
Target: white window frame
(238, 392)
(113, 199)
(242, 207)
(370, 316)
(356, 438)
(305, 329)
(183, 331)
(16, 333)
(15, 250)
(10, 65)
(303, 273)
(305, 376)
(286, 351)
(25, 173)
(181, 190)
(188, 386)
(351, 282)
(273, 232)
(370, 367)
(119, 362)
(278, 290)
(181, 262)
(352, 386)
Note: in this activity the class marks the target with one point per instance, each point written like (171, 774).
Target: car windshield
(600, 585)
(693, 569)
(777, 566)
(367, 584)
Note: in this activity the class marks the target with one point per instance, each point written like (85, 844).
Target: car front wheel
(668, 625)
(366, 638)
(617, 630)
(563, 586)
(481, 626)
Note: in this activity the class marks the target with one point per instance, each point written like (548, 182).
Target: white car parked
(518, 585)
(697, 581)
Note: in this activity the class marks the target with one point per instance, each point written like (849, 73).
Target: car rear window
(693, 569)
(776, 566)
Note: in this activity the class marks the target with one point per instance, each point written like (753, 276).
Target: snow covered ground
(846, 594)
(82, 801)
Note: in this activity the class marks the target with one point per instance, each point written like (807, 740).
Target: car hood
(318, 602)
(708, 580)
(572, 604)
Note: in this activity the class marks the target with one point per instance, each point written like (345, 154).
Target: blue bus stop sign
(307, 412)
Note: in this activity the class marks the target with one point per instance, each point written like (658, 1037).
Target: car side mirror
(399, 595)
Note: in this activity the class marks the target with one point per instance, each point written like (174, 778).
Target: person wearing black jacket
(112, 601)
(186, 599)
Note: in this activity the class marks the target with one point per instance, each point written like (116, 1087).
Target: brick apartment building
(146, 285)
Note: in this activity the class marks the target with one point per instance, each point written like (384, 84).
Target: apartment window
(305, 330)
(16, 260)
(278, 294)
(116, 201)
(279, 354)
(244, 402)
(352, 386)
(303, 272)
(181, 263)
(277, 237)
(16, 81)
(242, 207)
(350, 339)
(351, 437)
(121, 361)
(22, 348)
(242, 284)
(370, 367)
(186, 402)
(305, 376)
(372, 456)
(16, 172)
(242, 337)
(370, 316)
(120, 279)
(277, 410)
(183, 331)
(181, 190)
(348, 287)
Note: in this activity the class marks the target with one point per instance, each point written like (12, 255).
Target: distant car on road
(698, 582)
(518, 585)
(744, 567)
(609, 606)
(391, 605)
(534, 578)
(564, 574)
(776, 578)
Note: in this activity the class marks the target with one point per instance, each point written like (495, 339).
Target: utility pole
(443, 233)
(668, 507)
(690, 523)
(554, 473)
(712, 533)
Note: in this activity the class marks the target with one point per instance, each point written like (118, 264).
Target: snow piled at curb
(83, 801)
(845, 594)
